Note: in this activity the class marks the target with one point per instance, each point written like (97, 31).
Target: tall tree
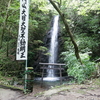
(68, 30)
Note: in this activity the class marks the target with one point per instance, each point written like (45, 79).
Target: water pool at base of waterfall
(48, 79)
(52, 82)
(47, 83)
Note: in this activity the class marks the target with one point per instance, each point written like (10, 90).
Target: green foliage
(42, 48)
(83, 18)
(9, 24)
(75, 69)
(86, 43)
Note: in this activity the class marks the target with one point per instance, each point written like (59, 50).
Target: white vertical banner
(22, 42)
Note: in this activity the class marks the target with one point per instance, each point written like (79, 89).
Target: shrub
(80, 72)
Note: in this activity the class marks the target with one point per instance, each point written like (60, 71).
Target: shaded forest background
(83, 18)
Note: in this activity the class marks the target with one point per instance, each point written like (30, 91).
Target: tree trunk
(5, 22)
(68, 30)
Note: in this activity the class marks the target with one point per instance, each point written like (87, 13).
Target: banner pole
(22, 42)
(26, 64)
(25, 84)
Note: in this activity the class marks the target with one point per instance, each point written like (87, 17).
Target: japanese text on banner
(22, 43)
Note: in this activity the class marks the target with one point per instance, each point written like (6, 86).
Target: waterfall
(53, 47)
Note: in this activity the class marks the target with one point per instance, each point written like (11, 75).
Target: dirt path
(64, 92)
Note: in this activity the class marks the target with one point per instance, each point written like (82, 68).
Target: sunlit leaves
(40, 4)
(15, 5)
(87, 6)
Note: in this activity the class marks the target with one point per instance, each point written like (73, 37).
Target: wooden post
(60, 75)
(42, 76)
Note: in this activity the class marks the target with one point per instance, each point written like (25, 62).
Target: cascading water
(53, 47)
(52, 38)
